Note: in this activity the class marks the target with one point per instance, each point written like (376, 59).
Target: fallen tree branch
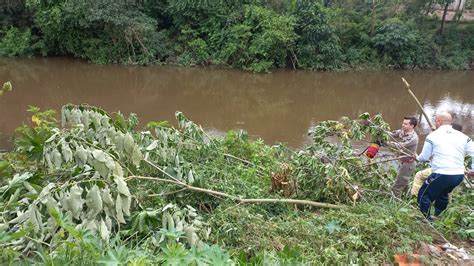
(293, 201)
(189, 187)
(239, 200)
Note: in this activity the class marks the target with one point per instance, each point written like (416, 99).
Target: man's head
(409, 123)
(443, 118)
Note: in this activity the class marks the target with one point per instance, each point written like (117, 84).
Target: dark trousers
(436, 188)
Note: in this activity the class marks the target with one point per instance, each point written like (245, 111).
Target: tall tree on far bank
(443, 19)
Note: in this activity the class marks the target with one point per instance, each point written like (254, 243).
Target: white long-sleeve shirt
(447, 147)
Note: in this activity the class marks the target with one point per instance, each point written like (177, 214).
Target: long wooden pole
(407, 86)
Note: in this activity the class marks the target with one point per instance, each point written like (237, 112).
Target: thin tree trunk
(459, 11)
(443, 20)
(428, 9)
(372, 23)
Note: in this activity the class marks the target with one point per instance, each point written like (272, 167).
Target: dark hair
(413, 120)
(456, 126)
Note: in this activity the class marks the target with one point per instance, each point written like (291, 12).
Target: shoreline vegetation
(93, 189)
(257, 36)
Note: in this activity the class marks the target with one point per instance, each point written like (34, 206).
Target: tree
(443, 19)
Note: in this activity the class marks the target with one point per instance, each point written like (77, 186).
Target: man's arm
(427, 151)
(406, 144)
(394, 133)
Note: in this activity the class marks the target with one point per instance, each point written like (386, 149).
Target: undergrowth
(97, 190)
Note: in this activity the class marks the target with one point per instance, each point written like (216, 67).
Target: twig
(167, 193)
(244, 161)
(363, 152)
(387, 160)
(38, 241)
(162, 171)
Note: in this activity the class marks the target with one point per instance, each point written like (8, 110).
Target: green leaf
(126, 201)
(18, 179)
(128, 143)
(119, 209)
(152, 146)
(93, 202)
(57, 159)
(7, 86)
(66, 151)
(106, 197)
(137, 156)
(34, 217)
(332, 227)
(121, 186)
(81, 155)
(75, 201)
(99, 156)
(103, 230)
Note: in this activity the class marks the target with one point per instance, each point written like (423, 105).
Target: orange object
(407, 260)
(372, 150)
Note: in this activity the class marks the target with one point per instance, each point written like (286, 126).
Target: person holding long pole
(407, 139)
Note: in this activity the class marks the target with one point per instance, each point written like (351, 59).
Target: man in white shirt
(447, 148)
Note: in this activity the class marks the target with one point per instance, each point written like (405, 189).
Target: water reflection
(463, 113)
(277, 107)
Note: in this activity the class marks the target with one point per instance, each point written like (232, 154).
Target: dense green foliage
(93, 189)
(251, 35)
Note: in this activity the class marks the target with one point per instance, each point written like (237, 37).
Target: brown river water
(277, 107)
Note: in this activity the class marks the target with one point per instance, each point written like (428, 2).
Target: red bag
(372, 150)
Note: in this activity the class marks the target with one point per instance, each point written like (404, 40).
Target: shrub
(116, 33)
(17, 42)
(396, 40)
(260, 41)
(318, 45)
